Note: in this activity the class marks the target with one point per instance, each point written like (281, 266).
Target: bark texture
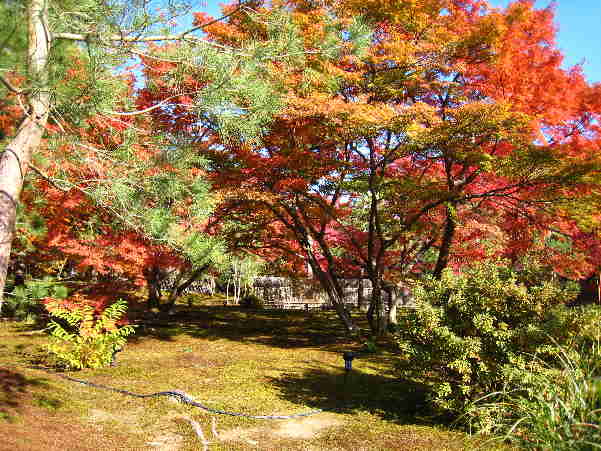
(376, 314)
(447, 241)
(15, 159)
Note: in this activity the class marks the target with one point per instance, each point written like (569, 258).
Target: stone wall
(290, 294)
(287, 293)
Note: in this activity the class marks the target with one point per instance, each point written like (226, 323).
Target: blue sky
(579, 24)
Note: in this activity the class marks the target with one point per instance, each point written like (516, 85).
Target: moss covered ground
(257, 362)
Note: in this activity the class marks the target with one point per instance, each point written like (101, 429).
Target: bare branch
(9, 86)
(119, 38)
(177, 37)
(49, 179)
(184, 36)
(150, 108)
(158, 38)
(204, 25)
(159, 58)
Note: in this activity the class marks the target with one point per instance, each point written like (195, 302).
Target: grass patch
(257, 362)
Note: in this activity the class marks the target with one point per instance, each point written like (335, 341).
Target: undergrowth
(548, 407)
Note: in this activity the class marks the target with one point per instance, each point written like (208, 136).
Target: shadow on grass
(14, 388)
(331, 389)
(276, 328)
(370, 387)
(31, 327)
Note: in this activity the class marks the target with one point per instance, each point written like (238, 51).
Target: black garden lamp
(348, 357)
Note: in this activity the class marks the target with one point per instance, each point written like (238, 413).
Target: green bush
(97, 336)
(468, 328)
(251, 301)
(25, 301)
(547, 407)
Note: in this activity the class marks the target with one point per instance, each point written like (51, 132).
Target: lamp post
(348, 357)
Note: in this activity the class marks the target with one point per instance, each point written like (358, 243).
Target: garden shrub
(24, 303)
(251, 301)
(95, 336)
(547, 407)
(469, 328)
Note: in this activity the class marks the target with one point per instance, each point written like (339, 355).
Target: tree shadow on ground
(276, 328)
(29, 328)
(14, 389)
(330, 388)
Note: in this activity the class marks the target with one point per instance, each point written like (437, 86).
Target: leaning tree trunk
(447, 241)
(15, 159)
(335, 296)
(179, 287)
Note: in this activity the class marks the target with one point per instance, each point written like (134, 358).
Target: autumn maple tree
(458, 136)
(408, 137)
(72, 97)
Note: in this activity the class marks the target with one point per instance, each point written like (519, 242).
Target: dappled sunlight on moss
(270, 363)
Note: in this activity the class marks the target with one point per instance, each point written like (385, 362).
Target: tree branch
(9, 86)
(49, 179)
(150, 108)
(204, 25)
(117, 38)
(165, 37)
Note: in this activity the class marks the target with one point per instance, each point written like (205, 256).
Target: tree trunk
(393, 303)
(335, 295)
(447, 240)
(361, 301)
(154, 287)
(15, 159)
(338, 301)
(376, 315)
(179, 288)
(343, 313)
(153, 296)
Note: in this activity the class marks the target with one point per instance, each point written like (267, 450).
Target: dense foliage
(546, 407)
(336, 141)
(24, 303)
(89, 339)
(470, 329)
(437, 145)
(114, 88)
(448, 139)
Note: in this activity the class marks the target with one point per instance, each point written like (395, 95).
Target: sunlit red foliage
(460, 136)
